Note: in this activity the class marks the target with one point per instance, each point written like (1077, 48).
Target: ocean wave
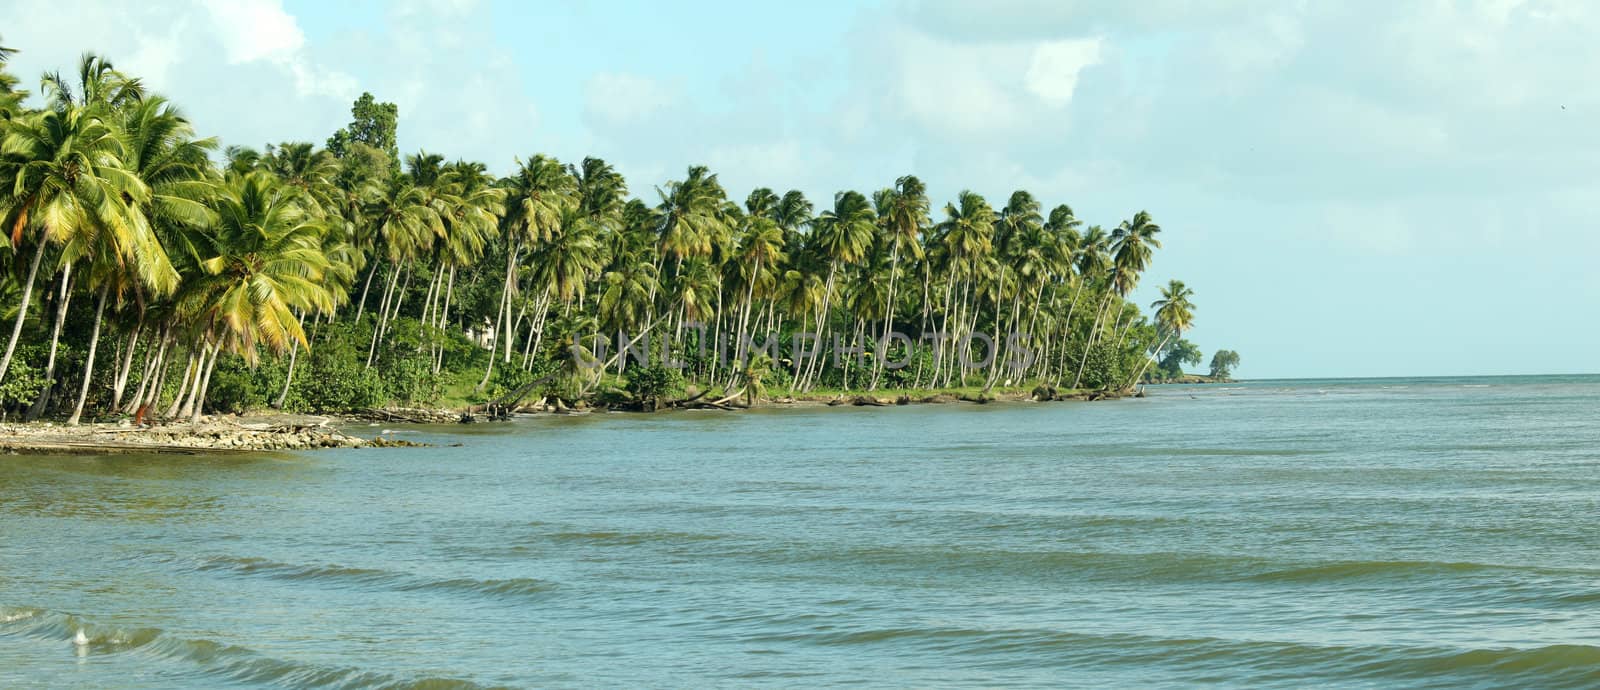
(334, 575)
(224, 662)
(1295, 663)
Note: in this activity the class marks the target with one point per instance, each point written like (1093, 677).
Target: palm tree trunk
(383, 316)
(288, 377)
(1148, 360)
(193, 391)
(124, 370)
(888, 318)
(22, 312)
(427, 302)
(1066, 327)
(814, 368)
(154, 360)
(499, 316)
(163, 367)
(744, 322)
(88, 367)
(55, 340)
(361, 307)
(1094, 328)
(927, 279)
(442, 315)
(205, 385)
(183, 387)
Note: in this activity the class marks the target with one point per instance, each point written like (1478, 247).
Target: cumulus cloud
(1053, 74)
(255, 29)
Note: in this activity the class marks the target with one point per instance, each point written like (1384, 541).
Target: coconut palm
(160, 149)
(841, 235)
(260, 262)
(10, 97)
(65, 178)
(1174, 315)
(903, 212)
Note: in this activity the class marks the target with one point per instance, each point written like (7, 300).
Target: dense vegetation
(150, 271)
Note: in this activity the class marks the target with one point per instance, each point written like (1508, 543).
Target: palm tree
(1131, 245)
(470, 222)
(10, 97)
(966, 236)
(65, 177)
(160, 149)
(406, 219)
(842, 235)
(760, 251)
(903, 211)
(261, 261)
(535, 196)
(1174, 315)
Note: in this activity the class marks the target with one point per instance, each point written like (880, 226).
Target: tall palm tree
(1131, 245)
(760, 251)
(842, 235)
(1174, 315)
(260, 262)
(65, 177)
(535, 196)
(406, 220)
(10, 97)
(160, 149)
(903, 211)
(966, 237)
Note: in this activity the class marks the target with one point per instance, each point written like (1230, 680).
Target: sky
(1351, 189)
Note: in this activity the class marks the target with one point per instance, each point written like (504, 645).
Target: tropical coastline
(159, 277)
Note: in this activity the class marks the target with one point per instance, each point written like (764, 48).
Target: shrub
(646, 383)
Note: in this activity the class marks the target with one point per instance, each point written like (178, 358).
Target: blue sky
(1351, 189)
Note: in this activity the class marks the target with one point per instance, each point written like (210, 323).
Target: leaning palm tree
(260, 262)
(842, 235)
(903, 212)
(760, 251)
(407, 221)
(1174, 315)
(966, 238)
(65, 177)
(160, 149)
(535, 196)
(10, 97)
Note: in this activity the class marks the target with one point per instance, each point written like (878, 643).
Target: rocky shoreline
(210, 436)
(289, 432)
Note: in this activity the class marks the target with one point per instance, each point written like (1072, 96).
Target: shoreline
(267, 431)
(212, 435)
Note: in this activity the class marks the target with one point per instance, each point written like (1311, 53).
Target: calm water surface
(1421, 533)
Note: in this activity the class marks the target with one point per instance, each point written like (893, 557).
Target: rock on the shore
(181, 438)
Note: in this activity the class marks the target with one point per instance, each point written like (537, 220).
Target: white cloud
(1053, 74)
(255, 30)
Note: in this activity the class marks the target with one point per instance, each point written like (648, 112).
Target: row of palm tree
(190, 255)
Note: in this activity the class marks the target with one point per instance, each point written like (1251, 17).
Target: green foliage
(646, 383)
(24, 381)
(1104, 367)
(406, 366)
(1178, 353)
(333, 376)
(1223, 362)
(235, 387)
(372, 123)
